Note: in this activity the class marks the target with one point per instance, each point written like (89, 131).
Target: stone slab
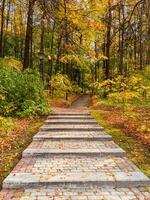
(71, 127)
(48, 136)
(44, 152)
(110, 171)
(69, 117)
(73, 144)
(75, 192)
(71, 113)
(71, 120)
(28, 180)
(67, 121)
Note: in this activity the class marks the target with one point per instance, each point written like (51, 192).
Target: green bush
(76, 89)
(21, 93)
(7, 125)
(60, 85)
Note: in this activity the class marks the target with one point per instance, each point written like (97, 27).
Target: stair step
(67, 121)
(79, 169)
(71, 127)
(117, 179)
(44, 152)
(73, 136)
(77, 192)
(69, 117)
(71, 114)
(71, 120)
(73, 133)
(73, 147)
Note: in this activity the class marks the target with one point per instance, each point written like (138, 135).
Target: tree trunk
(2, 29)
(108, 42)
(42, 46)
(26, 62)
(121, 37)
(7, 23)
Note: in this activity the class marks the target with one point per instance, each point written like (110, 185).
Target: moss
(136, 152)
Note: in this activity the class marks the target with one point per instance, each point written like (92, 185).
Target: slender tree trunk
(7, 23)
(58, 54)
(108, 43)
(26, 62)
(121, 37)
(104, 62)
(66, 39)
(50, 69)
(42, 43)
(2, 29)
(141, 37)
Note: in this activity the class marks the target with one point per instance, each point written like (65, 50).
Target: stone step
(70, 121)
(70, 114)
(71, 127)
(69, 117)
(47, 147)
(102, 179)
(44, 152)
(53, 165)
(76, 192)
(86, 136)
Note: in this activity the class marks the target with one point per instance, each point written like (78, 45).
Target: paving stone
(75, 192)
(101, 148)
(108, 171)
(72, 144)
(74, 163)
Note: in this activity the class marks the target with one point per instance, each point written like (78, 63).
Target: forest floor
(130, 130)
(15, 139)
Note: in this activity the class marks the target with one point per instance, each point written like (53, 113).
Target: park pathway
(72, 158)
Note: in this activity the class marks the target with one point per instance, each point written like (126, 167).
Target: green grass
(136, 152)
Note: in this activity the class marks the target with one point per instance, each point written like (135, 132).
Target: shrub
(6, 126)
(21, 93)
(60, 85)
(76, 89)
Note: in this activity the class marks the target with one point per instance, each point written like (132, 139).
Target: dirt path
(81, 103)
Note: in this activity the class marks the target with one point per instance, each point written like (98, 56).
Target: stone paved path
(72, 158)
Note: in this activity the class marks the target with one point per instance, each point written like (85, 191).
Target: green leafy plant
(21, 93)
(6, 126)
(60, 85)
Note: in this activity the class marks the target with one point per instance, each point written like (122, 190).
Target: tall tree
(29, 30)
(2, 27)
(108, 40)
